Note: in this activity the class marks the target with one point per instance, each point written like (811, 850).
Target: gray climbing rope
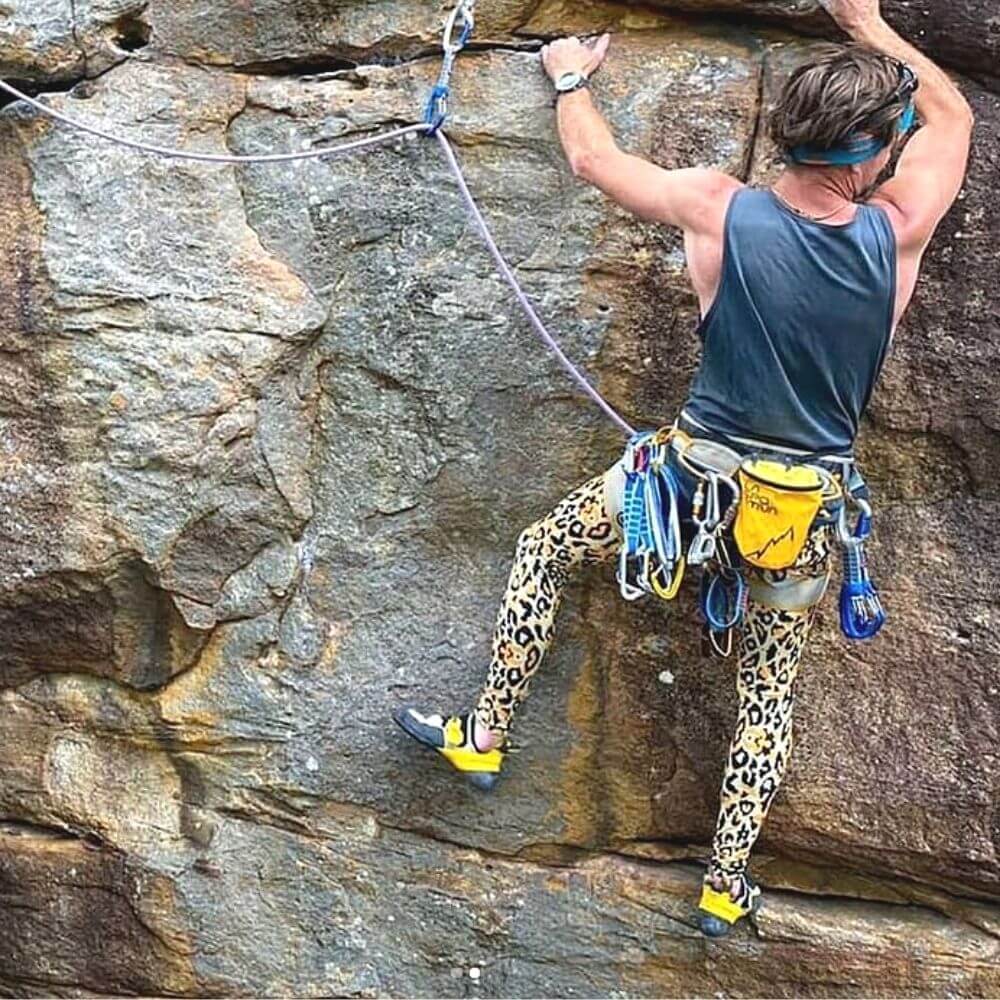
(522, 299)
(435, 114)
(173, 153)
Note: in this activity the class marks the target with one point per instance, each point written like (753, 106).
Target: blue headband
(857, 150)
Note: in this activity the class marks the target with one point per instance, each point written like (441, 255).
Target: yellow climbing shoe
(719, 911)
(452, 738)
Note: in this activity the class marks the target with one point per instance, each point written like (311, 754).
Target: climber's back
(798, 331)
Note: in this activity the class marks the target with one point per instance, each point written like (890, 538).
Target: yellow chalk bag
(778, 504)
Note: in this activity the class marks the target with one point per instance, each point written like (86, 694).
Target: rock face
(268, 437)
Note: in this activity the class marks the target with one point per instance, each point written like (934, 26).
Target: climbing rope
(171, 153)
(461, 20)
(519, 294)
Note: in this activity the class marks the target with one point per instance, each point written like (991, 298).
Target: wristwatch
(569, 82)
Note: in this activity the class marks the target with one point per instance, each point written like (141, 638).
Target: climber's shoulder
(709, 193)
(694, 198)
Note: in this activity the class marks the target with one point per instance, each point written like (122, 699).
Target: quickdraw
(651, 560)
(862, 614)
(437, 104)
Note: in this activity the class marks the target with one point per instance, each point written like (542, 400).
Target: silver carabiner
(703, 546)
(852, 538)
(463, 9)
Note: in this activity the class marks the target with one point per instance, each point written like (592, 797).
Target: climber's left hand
(570, 55)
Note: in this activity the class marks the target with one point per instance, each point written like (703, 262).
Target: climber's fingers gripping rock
(570, 55)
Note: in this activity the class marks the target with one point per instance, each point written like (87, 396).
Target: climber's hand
(570, 55)
(852, 14)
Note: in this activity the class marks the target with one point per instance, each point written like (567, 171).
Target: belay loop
(861, 612)
(437, 104)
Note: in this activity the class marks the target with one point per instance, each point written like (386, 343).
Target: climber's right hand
(852, 14)
(570, 55)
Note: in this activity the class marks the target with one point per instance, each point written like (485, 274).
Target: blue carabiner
(437, 108)
(726, 613)
(862, 614)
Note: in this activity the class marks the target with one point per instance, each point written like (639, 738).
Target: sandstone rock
(269, 435)
(85, 920)
(269, 33)
(67, 39)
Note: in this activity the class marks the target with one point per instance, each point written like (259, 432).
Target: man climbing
(801, 287)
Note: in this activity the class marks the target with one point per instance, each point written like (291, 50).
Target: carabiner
(668, 592)
(437, 108)
(629, 590)
(702, 548)
(468, 23)
(851, 538)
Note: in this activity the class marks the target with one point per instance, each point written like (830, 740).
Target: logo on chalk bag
(778, 505)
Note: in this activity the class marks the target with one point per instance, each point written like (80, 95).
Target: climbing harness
(861, 612)
(725, 482)
(461, 20)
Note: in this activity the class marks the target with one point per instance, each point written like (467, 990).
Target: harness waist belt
(688, 424)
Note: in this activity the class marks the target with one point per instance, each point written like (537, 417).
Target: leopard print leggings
(580, 532)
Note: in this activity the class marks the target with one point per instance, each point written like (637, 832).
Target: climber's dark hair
(843, 90)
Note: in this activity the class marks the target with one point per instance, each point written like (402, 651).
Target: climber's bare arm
(932, 168)
(693, 198)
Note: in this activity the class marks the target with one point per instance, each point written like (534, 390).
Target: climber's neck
(830, 195)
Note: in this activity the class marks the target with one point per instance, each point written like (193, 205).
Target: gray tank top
(798, 332)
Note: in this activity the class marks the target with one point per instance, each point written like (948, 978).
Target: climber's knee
(528, 540)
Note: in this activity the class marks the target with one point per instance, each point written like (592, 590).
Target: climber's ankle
(722, 883)
(485, 739)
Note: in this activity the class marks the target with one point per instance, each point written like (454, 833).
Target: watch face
(569, 81)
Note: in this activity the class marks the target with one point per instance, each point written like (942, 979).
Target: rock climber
(801, 286)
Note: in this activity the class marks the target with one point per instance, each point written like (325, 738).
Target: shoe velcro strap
(721, 905)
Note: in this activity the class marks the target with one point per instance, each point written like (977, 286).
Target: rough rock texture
(52, 40)
(268, 436)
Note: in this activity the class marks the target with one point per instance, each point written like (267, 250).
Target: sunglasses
(903, 92)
